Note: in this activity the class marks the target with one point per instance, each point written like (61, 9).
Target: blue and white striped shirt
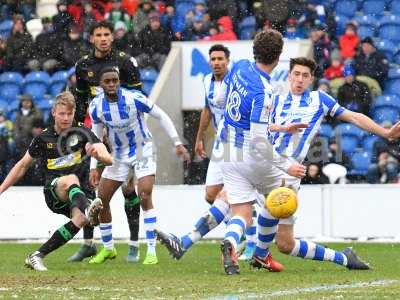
(215, 98)
(123, 120)
(249, 99)
(309, 108)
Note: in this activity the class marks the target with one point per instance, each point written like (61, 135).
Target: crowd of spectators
(351, 68)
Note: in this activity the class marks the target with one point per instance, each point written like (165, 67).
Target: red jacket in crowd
(227, 34)
(348, 45)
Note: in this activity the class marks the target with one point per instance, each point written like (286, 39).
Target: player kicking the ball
(62, 149)
(121, 113)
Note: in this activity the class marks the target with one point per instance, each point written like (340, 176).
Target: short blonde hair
(65, 98)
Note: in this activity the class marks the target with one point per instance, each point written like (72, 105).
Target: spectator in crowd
(323, 85)
(9, 8)
(71, 81)
(141, 18)
(73, 47)
(117, 13)
(335, 70)
(27, 114)
(225, 29)
(220, 8)
(349, 42)
(322, 48)
(6, 145)
(196, 31)
(200, 9)
(293, 32)
(372, 62)
(337, 156)
(155, 44)
(172, 22)
(126, 41)
(353, 94)
(3, 52)
(62, 20)
(314, 175)
(47, 46)
(88, 17)
(20, 48)
(385, 160)
(130, 6)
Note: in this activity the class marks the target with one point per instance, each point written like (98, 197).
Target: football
(281, 202)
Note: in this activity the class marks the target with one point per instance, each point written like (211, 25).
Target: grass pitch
(198, 275)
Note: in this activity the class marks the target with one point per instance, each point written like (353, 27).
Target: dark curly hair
(267, 46)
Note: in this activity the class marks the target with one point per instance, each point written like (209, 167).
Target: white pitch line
(313, 289)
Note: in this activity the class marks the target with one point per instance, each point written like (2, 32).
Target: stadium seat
(360, 163)
(326, 131)
(3, 105)
(368, 142)
(44, 104)
(365, 31)
(388, 47)
(5, 28)
(390, 20)
(395, 7)
(394, 73)
(58, 82)
(370, 20)
(247, 28)
(392, 86)
(396, 58)
(341, 21)
(347, 8)
(376, 7)
(247, 34)
(36, 84)
(350, 137)
(382, 114)
(387, 100)
(390, 32)
(14, 105)
(148, 77)
(10, 85)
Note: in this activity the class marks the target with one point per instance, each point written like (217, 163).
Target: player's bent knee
(285, 245)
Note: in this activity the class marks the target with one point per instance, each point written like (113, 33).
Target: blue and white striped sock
(235, 230)
(251, 236)
(266, 230)
(106, 235)
(310, 250)
(213, 217)
(150, 222)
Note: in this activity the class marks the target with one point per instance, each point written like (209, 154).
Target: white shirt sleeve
(262, 148)
(97, 129)
(165, 122)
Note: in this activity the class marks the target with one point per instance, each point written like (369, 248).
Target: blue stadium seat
(396, 58)
(390, 32)
(326, 131)
(10, 85)
(247, 34)
(36, 84)
(392, 86)
(388, 47)
(247, 22)
(148, 77)
(374, 7)
(247, 28)
(44, 104)
(183, 8)
(390, 20)
(368, 142)
(360, 163)
(382, 114)
(366, 30)
(3, 105)
(14, 105)
(341, 21)
(350, 137)
(387, 100)
(58, 82)
(346, 7)
(394, 73)
(395, 7)
(370, 20)
(5, 28)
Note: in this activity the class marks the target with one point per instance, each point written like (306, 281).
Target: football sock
(132, 210)
(310, 250)
(150, 222)
(235, 230)
(251, 237)
(213, 217)
(266, 229)
(77, 197)
(88, 235)
(106, 235)
(59, 238)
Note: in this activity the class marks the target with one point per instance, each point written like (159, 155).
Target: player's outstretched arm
(166, 122)
(366, 123)
(205, 119)
(99, 152)
(290, 128)
(17, 172)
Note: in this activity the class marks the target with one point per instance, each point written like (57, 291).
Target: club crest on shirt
(90, 74)
(73, 140)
